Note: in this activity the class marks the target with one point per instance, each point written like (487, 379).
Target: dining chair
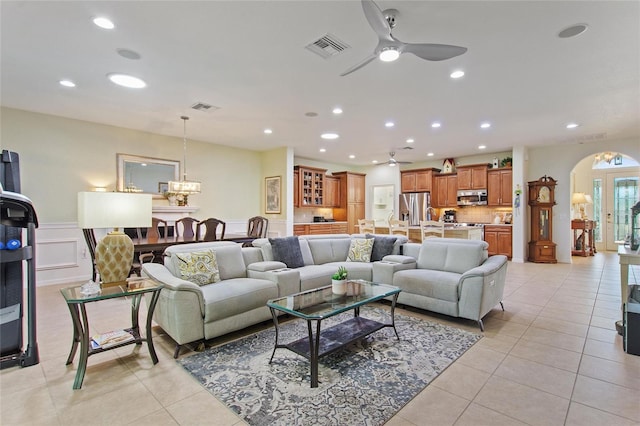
(399, 227)
(431, 229)
(367, 226)
(207, 230)
(187, 227)
(159, 228)
(257, 227)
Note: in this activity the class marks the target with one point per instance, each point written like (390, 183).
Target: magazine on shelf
(112, 338)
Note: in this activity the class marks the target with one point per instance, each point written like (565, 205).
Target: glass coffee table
(321, 303)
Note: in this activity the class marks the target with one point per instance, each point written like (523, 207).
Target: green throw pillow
(199, 267)
(360, 250)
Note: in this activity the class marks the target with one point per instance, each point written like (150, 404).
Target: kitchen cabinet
(352, 199)
(464, 233)
(445, 190)
(320, 228)
(311, 186)
(472, 177)
(499, 184)
(296, 189)
(332, 191)
(418, 180)
(499, 239)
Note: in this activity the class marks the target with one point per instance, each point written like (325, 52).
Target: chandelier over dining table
(184, 187)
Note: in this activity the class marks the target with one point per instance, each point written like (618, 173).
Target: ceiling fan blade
(433, 52)
(359, 65)
(376, 20)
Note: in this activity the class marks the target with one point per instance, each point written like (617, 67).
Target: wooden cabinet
(300, 229)
(419, 180)
(583, 244)
(296, 189)
(472, 177)
(542, 249)
(320, 228)
(499, 239)
(331, 191)
(445, 188)
(311, 186)
(499, 183)
(352, 199)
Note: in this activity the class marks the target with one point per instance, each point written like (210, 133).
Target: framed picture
(272, 194)
(163, 187)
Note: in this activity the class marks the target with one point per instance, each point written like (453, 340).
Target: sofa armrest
(161, 274)
(481, 288)
(383, 270)
(287, 280)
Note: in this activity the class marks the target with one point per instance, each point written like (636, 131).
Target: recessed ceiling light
(323, 150)
(337, 110)
(352, 156)
(330, 136)
(457, 74)
(482, 146)
(389, 54)
(573, 31)
(410, 140)
(430, 154)
(572, 125)
(374, 161)
(268, 131)
(435, 124)
(103, 22)
(485, 125)
(127, 81)
(311, 114)
(389, 124)
(67, 83)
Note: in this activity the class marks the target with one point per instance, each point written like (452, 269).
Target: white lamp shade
(114, 210)
(578, 198)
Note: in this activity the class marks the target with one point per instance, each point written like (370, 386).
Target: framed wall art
(272, 194)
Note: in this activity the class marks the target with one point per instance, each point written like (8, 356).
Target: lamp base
(114, 256)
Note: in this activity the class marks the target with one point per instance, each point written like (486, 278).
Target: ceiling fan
(392, 161)
(389, 48)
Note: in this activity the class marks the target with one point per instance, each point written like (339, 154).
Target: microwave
(476, 197)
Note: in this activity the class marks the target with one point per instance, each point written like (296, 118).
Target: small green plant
(341, 274)
(506, 162)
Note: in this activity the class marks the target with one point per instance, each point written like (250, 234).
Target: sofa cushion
(199, 267)
(453, 257)
(325, 250)
(287, 250)
(439, 285)
(382, 246)
(235, 296)
(360, 250)
(230, 261)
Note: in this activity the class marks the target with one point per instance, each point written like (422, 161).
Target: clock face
(544, 195)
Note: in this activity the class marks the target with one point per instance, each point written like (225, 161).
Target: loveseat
(450, 276)
(200, 301)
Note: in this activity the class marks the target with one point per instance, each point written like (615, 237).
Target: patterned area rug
(365, 383)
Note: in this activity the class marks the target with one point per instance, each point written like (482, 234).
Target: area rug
(365, 383)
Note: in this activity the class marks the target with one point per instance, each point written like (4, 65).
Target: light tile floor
(552, 358)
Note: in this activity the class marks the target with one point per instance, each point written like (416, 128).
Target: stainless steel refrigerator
(414, 207)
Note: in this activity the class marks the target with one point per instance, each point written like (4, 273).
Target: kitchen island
(450, 231)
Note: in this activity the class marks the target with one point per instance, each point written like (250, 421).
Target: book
(112, 338)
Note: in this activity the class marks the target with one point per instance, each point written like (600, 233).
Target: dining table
(159, 244)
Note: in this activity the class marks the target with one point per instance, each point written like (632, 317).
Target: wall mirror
(383, 202)
(146, 174)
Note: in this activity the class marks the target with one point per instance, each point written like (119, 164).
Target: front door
(620, 195)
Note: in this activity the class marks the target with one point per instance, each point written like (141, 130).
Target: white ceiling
(249, 59)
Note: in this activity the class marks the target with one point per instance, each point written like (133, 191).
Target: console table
(586, 226)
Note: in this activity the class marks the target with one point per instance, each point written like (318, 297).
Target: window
(597, 210)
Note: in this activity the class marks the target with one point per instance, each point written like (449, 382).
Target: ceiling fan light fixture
(389, 54)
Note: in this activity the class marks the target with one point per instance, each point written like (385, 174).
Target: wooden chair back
(431, 229)
(399, 227)
(367, 226)
(155, 231)
(257, 227)
(187, 227)
(207, 230)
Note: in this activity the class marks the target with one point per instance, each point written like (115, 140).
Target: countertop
(319, 223)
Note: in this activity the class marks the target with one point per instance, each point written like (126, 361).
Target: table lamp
(580, 199)
(114, 252)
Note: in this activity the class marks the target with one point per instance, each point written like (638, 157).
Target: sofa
(192, 309)
(450, 276)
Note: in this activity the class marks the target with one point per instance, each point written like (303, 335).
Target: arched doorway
(612, 182)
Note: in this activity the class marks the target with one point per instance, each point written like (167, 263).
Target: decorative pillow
(382, 246)
(360, 250)
(287, 250)
(199, 267)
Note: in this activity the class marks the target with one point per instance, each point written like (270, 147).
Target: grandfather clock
(542, 249)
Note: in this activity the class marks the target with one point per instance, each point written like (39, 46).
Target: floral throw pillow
(360, 250)
(199, 267)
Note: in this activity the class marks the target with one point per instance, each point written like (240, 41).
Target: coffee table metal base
(319, 343)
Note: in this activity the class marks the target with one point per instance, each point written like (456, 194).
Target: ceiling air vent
(201, 106)
(327, 46)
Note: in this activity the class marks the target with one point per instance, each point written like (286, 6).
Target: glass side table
(76, 301)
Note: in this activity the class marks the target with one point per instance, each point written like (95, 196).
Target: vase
(339, 286)
(173, 200)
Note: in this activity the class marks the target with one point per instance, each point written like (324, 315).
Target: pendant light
(184, 187)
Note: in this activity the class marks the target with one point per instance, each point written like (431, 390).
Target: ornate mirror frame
(154, 182)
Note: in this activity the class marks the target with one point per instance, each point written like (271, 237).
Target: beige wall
(60, 157)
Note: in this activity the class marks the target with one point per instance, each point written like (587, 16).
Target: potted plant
(506, 162)
(339, 280)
